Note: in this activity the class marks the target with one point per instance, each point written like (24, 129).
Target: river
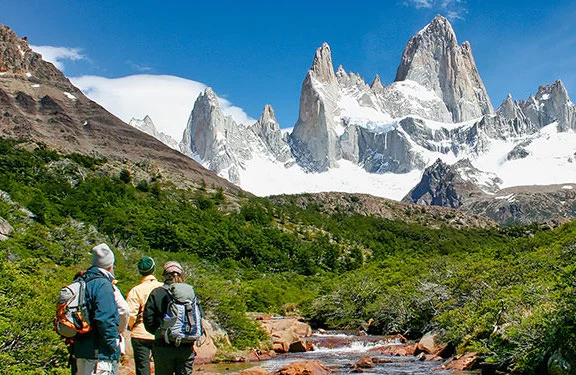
(339, 351)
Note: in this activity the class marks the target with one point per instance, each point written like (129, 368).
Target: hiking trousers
(96, 367)
(142, 351)
(169, 360)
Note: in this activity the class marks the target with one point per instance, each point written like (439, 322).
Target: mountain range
(435, 119)
(431, 137)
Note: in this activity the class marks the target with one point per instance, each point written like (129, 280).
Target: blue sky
(253, 53)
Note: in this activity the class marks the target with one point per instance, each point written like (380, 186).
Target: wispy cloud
(58, 55)
(139, 67)
(167, 99)
(451, 9)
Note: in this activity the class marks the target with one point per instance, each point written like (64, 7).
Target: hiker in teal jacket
(97, 352)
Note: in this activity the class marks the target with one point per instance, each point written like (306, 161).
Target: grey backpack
(183, 320)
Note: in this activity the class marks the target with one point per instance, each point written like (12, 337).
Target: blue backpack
(183, 320)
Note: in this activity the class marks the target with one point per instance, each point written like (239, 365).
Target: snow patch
(510, 197)
(70, 96)
(567, 187)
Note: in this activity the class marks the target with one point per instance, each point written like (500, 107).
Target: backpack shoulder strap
(93, 277)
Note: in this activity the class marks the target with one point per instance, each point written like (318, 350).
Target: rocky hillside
(368, 205)
(458, 186)
(38, 103)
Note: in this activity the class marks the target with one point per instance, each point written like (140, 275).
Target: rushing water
(339, 352)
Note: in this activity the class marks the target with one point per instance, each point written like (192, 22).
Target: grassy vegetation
(509, 294)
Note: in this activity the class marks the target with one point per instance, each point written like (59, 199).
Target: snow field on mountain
(264, 177)
(551, 159)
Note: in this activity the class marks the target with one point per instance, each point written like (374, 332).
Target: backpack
(182, 322)
(72, 313)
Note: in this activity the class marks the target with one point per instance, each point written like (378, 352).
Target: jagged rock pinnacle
(322, 67)
(377, 85)
(434, 59)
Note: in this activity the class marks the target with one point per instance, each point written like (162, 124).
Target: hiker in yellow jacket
(141, 339)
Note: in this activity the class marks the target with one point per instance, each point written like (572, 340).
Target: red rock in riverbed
(399, 350)
(284, 332)
(364, 362)
(461, 362)
(304, 368)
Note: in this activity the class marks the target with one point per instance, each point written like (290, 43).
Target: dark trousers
(142, 351)
(170, 360)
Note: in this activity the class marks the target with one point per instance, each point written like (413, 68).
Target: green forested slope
(507, 293)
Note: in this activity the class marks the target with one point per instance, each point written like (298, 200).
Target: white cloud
(421, 3)
(58, 55)
(451, 9)
(168, 100)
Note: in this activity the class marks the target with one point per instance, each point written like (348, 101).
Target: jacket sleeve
(106, 317)
(133, 307)
(123, 309)
(152, 315)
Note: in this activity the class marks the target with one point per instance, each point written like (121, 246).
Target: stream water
(340, 351)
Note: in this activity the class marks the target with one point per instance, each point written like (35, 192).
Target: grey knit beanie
(102, 256)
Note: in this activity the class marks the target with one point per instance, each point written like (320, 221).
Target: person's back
(168, 357)
(97, 352)
(141, 339)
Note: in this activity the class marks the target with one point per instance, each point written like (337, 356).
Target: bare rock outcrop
(5, 229)
(286, 333)
(434, 59)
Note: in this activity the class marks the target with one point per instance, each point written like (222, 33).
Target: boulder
(304, 368)
(364, 362)
(284, 332)
(205, 348)
(461, 362)
(399, 350)
(5, 229)
(300, 346)
(430, 344)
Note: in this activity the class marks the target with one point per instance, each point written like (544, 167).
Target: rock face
(41, 105)
(147, 126)
(434, 59)
(268, 130)
(450, 186)
(314, 136)
(215, 139)
(550, 104)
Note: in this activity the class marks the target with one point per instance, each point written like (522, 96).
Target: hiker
(141, 339)
(169, 357)
(97, 351)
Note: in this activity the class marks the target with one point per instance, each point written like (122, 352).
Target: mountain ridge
(34, 92)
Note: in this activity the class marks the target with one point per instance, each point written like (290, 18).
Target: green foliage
(508, 293)
(28, 343)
